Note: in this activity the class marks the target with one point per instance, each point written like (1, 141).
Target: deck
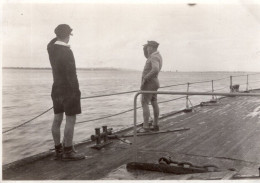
(225, 134)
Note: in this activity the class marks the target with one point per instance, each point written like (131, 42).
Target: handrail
(126, 92)
(178, 93)
(129, 110)
(106, 95)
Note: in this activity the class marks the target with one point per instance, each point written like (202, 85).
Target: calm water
(26, 93)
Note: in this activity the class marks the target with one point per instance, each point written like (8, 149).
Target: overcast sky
(206, 37)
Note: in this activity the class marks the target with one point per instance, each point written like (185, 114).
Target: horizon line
(114, 68)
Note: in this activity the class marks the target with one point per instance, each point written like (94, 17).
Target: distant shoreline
(117, 69)
(48, 68)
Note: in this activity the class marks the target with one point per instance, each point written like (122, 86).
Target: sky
(215, 36)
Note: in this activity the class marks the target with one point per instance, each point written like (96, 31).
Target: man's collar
(62, 43)
(154, 53)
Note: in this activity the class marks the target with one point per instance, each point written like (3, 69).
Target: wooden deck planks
(218, 134)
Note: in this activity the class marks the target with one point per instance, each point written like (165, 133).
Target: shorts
(69, 104)
(147, 98)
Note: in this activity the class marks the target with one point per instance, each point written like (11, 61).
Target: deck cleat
(187, 110)
(98, 137)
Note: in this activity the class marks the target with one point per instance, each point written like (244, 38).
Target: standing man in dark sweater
(65, 92)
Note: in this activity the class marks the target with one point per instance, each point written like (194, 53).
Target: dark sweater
(65, 81)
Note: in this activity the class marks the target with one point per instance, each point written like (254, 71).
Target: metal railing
(133, 91)
(178, 93)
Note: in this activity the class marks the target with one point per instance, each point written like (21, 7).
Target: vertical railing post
(187, 96)
(135, 129)
(231, 84)
(212, 85)
(188, 109)
(247, 82)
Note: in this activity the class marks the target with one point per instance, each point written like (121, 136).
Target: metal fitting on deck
(98, 137)
(234, 88)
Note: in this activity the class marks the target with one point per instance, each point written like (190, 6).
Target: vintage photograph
(130, 90)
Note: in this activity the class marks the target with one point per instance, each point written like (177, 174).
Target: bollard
(187, 97)
(246, 82)
(231, 84)
(105, 133)
(98, 139)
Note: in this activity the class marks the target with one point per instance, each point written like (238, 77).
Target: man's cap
(63, 30)
(152, 43)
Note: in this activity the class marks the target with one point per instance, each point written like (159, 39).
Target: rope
(174, 85)
(246, 75)
(239, 75)
(129, 110)
(220, 89)
(253, 74)
(255, 81)
(120, 93)
(95, 96)
(200, 82)
(27, 121)
(250, 82)
(107, 116)
(106, 95)
(126, 92)
(207, 81)
(221, 79)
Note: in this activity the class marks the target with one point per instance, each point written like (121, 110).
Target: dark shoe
(73, 148)
(72, 156)
(58, 152)
(155, 128)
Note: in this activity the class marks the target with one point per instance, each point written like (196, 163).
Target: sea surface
(26, 94)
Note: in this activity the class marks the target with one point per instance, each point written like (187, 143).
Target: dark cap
(152, 43)
(63, 30)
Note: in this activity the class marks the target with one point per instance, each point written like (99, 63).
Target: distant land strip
(124, 69)
(49, 68)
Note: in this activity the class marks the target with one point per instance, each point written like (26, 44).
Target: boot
(58, 152)
(70, 155)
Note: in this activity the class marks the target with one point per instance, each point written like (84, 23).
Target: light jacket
(152, 68)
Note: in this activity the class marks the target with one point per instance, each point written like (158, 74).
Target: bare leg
(156, 112)
(56, 128)
(146, 114)
(63, 144)
(69, 130)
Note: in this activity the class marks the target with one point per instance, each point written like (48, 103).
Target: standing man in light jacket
(150, 82)
(65, 92)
